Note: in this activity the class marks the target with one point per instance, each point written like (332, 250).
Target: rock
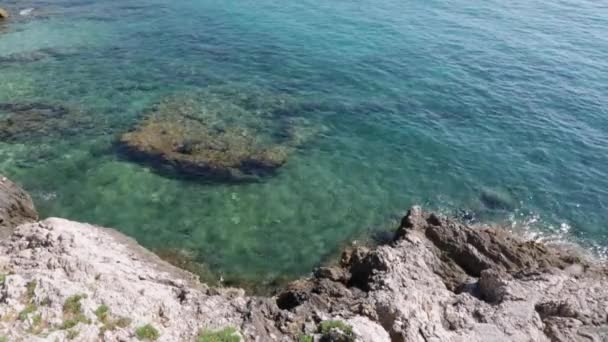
(367, 330)
(194, 150)
(496, 200)
(210, 136)
(3, 13)
(331, 273)
(27, 121)
(16, 207)
(446, 281)
(439, 280)
(493, 285)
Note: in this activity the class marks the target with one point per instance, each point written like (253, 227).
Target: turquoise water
(499, 109)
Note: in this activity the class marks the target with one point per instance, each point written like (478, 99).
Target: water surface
(491, 107)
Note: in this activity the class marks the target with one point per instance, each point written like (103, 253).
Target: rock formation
(16, 207)
(225, 136)
(3, 13)
(439, 280)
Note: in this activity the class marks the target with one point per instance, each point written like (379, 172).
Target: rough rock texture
(443, 281)
(16, 207)
(64, 259)
(439, 280)
(225, 136)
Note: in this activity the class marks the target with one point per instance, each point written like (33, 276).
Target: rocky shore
(438, 280)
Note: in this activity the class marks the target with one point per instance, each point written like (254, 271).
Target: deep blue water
(496, 108)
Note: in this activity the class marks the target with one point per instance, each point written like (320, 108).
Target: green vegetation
(102, 313)
(2, 280)
(72, 334)
(31, 307)
(30, 290)
(72, 312)
(110, 323)
(37, 326)
(327, 326)
(72, 322)
(3, 339)
(147, 332)
(306, 338)
(228, 334)
(72, 304)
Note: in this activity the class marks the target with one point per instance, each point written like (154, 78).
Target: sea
(488, 111)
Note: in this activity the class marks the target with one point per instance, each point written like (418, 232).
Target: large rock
(57, 274)
(3, 13)
(16, 207)
(441, 280)
(211, 136)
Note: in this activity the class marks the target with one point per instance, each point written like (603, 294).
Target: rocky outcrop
(439, 280)
(216, 135)
(64, 280)
(16, 207)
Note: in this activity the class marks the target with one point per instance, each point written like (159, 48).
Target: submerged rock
(35, 56)
(496, 200)
(16, 207)
(225, 136)
(26, 121)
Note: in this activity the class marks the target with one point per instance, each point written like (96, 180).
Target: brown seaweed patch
(219, 134)
(25, 121)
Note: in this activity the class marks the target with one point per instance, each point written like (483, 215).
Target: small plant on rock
(30, 308)
(228, 334)
(102, 313)
(147, 332)
(306, 338)
(72, 334)
(72, 312)
(30, 290)
(110, 322)
(37, 325)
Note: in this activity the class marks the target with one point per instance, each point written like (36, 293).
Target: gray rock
(16, 207)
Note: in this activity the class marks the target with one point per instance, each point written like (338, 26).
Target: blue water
(496, 108)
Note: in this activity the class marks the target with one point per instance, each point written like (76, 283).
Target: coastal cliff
(438, 280)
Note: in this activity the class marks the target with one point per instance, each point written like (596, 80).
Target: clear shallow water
(450, 104)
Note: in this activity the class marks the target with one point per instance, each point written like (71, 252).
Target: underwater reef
(218, 134)
(24, 122)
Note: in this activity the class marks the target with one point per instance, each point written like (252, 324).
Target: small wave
(532, 226)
